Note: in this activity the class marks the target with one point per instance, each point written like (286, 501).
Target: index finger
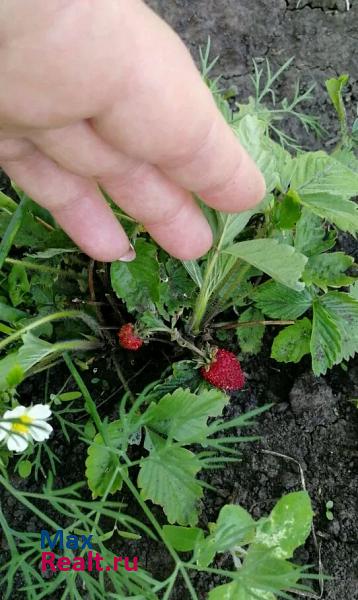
(166, 115)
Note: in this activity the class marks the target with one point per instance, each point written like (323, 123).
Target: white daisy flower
(19, 427)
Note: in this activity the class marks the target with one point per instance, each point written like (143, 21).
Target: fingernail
(129, 256)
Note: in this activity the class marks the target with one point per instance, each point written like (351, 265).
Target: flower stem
(64, 314)
(233, 324)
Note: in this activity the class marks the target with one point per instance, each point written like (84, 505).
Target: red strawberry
(128, 339)
(224, 371)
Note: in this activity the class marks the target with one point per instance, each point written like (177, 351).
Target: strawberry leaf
(101, 463)
(311, 235)
(328, 270)
(343, 309)
(317, 173)
(182, 539)
(326, 341)
(137, 282)
(250, 337)
(168, 478)
(183, 415)
(293, 342)
(279, 302)
(281, 261)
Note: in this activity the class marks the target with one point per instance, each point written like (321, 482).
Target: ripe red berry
(128, 339)
(224, 371)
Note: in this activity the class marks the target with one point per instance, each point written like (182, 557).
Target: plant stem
(64, 314)
(233, 324)
(42, 268)
(91, 406)
(11, 230)
(179, 565)
(204, 294)
(21, 498)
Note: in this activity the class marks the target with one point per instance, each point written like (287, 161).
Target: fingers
(168, 212)
(175, 124)
(75, 203)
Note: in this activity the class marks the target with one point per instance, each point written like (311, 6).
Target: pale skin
(103, 93)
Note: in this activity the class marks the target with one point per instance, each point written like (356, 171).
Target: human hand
(105, 93)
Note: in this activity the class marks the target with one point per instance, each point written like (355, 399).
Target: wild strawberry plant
(278, 266)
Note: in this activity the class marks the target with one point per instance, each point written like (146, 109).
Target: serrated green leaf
(235, 527)
(151, 321)
(193, 268)
(287, 212)
(311, 235)
(18, 284)
(8, 365)
(137, 282)
(328, 270)
(280, 302)
(317, 173)
(33, 350)
(288, 525)
(347, 157)
(251, 132)
(293, 342)
(51, 252)
(326, 343)
(250, 337)
(14, 376)
(281, 261)
(10, 314)
(353, 290)
(184, 376)
(168, 477)
(176, 290)
(237, 591)
(343, 310)
(7, 203)
(101, 463)
(335, 209)
(34, 235)
(182, 539)
(183, 415)
(263, 571)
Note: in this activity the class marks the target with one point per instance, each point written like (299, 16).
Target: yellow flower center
(22, 425)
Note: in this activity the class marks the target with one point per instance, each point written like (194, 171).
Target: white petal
(39, 411)
(17, 443)
(15, 413)
(40, 430)
(5, 427)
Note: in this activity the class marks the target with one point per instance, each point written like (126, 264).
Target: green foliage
(279, 302)
(293, 342)
(282, 262)
(250, 337)
(183, 416)
(102, 465)
(264, 570)
(328, 270)
(168, 478)
(137, 282)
